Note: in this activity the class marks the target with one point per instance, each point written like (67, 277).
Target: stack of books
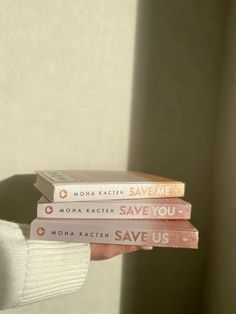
(112, 207)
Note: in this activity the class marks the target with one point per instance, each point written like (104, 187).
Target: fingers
(128, 248)
(106, 251)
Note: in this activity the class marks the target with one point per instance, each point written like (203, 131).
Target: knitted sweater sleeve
(32, 270)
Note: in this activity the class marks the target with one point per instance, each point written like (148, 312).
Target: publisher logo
(48, 210)
(63, 194)
(40, 231)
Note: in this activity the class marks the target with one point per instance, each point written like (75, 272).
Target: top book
(80, 185)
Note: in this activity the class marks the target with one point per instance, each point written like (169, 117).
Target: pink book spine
(92, 192)
(154, 209)
(96, 233)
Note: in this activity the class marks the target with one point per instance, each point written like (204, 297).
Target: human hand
(105, 251)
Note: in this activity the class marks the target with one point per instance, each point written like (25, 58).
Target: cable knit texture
(32, 270)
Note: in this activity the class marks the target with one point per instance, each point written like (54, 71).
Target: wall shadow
(177, 73)
(18, 198)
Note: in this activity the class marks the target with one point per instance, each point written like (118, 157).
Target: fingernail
(147, 248)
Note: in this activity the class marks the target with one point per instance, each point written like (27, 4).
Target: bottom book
(160, 233)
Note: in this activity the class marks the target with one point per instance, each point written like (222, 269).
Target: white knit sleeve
(32, 270)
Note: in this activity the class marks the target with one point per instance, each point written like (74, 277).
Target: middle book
(159, 208)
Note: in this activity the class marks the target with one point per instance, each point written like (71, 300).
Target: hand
(105, 251)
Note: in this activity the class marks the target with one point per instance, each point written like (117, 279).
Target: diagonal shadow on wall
(177, 72)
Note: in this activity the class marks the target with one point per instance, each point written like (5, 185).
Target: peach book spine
(64, 230)
(170, 208)
(73, 186)
(92, 192)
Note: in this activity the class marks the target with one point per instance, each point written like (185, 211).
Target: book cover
(160, 233)
(72, 185)
(158, 208)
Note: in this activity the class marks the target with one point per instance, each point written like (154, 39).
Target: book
(158, 208)
(73, 185)
(160, 233)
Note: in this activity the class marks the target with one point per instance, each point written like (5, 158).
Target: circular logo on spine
(63, 194)
(40, 231)
(48, 210)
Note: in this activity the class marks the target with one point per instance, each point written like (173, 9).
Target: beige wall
(65, 79)
(65, 94)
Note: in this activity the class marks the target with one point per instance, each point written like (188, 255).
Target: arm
(32, 270)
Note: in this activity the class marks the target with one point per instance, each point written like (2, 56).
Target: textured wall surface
(65, 93)
(65, 83)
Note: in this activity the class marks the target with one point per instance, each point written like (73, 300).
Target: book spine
(109, 210)
(113, 235)
(92, 192)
